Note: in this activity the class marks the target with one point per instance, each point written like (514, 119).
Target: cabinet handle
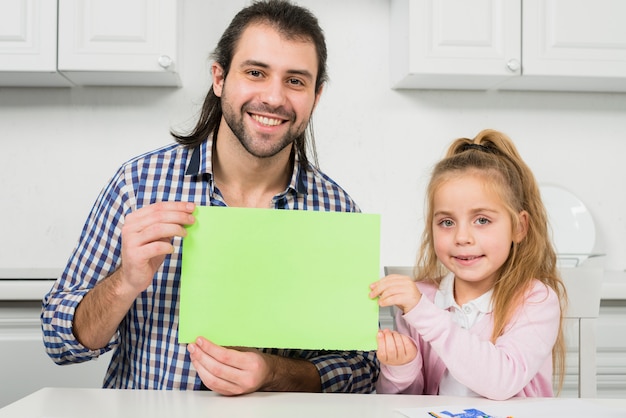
(513, 65)
(165, 61)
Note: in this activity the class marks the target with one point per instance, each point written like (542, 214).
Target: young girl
(483, 317)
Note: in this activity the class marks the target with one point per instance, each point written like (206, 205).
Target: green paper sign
(269, 278)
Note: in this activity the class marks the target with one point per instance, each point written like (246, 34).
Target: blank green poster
(280, 279)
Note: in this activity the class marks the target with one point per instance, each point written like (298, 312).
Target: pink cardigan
(519, 364)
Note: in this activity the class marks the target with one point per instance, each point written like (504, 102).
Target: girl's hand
(394, 349)
(396, 290)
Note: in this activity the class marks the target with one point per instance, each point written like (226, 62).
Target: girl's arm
(399, 373)
(501, 370)
(400, 361)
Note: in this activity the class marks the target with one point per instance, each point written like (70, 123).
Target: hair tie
(479, 147)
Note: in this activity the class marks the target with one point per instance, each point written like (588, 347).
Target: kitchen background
(61, 145)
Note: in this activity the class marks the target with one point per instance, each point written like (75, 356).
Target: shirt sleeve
(94, 258)
(348, 371)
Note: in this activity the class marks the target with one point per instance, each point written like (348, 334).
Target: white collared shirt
(466, 316)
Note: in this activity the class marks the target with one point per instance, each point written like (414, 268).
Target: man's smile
(264, 120)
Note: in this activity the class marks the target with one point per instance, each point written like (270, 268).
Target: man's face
(269, 94)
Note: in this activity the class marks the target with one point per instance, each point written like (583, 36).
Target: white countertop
(26, 283)
(96, 403)
(25, 289)
(33, 284)
(35, 273)
(614, 285)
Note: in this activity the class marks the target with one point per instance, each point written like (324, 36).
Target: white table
(112, 403)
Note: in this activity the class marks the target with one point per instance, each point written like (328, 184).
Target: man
(120, 287)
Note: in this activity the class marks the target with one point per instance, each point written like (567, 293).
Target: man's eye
(295, 82)
(254, 73)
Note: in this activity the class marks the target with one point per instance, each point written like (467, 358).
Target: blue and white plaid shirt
(147, 353)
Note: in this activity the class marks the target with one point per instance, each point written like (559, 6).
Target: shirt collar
(444, 298)
(201, 162)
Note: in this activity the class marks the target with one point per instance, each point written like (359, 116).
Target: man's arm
(100, 312)
(238, 371)
(292, 375)
(146, 239)
(231, 371)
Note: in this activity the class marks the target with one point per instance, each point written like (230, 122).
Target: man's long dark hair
(293, 22)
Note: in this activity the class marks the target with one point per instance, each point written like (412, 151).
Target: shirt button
(467, 309)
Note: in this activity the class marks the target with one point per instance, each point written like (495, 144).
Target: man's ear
(218, 75)
(522, 227)
(317, 97)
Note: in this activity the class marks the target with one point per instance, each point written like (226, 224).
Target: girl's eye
(446, 223)
(482, 221)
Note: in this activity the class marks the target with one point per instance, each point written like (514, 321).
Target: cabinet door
(28, 43)
(454, 44)
(574, 45)
(119, 42)
(24, 365)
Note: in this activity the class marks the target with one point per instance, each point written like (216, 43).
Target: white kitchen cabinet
(119, 42)
(508, 44)
(28, 44)
(611, 345)
(89, 43)
(454, 44)
(24, 365)
(610, 355)
(573, 46)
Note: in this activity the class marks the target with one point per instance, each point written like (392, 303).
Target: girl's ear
(522, 227)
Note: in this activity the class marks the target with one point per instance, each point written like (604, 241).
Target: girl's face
(472, 233)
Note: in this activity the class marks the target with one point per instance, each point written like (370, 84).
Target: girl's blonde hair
(493, 155)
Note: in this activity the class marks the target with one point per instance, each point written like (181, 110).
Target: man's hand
(147, 238)
(236, 371)
(230, 371)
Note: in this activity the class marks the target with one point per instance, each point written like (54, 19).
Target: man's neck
(248, 181)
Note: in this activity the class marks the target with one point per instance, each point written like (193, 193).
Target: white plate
(573, 229)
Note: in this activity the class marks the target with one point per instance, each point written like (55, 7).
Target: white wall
(60, 146)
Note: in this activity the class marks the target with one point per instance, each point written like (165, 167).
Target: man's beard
(253, 145)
